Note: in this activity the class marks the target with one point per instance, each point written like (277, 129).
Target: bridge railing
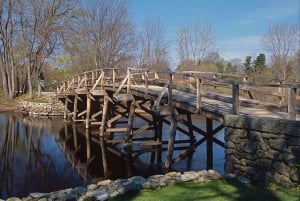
(235, 91)
(273, 96)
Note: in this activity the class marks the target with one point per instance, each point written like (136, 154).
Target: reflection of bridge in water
(110, 100)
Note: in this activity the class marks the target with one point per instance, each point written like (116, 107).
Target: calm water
(43, 155)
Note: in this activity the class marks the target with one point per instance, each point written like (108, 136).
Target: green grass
(213, 191)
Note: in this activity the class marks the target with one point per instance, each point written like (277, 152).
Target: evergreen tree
(260, 63)
(247, 65)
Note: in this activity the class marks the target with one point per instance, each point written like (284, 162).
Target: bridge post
(128, 80)
(292, 103)
(199, 89)
(209, 144)
(88, 111)
(170, 86)
(75, 108)
(235, 98)
(114, 78)
(146, 82)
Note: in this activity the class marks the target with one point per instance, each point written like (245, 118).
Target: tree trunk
(29, 81)
(4, 81)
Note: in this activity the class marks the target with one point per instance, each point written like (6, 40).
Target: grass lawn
(213, 191)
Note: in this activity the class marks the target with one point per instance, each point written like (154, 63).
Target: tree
(42, 24)
(281, 41)
(153, 49)
(230, 68)
(7, 65)
(248, 65)
(260, 64)
(194, 43)
(102, 35)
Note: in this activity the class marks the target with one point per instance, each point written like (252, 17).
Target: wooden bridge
(108, 98)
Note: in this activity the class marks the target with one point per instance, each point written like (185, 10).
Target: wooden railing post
(114, 78)
(146, 82)
(128, 80)
(235, 98)
(156, 76)
(170, 89)
(103, 79)
(292, 91)
(199, 85)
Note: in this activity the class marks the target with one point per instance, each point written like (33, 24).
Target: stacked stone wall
(53, 108)
(263, 149)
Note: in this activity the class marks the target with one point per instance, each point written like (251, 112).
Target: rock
(104, 182)
(38, 195)
(230, 176)
(92, 187)
(79, 190)
(102, 197)
(13, 199)
(94, 193)
(189, 176)
(243, 180)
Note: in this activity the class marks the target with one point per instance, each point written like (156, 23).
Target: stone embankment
(53, 108)
(263, 149)
(105, 189)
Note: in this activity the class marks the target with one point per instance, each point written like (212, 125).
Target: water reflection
(93, 157)
(43, 155)
(30, 159)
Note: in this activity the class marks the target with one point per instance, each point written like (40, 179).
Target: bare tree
(194, 43)
(7, 66)
(42, 23)
(103, 35)
(281, 41)
(153, 47)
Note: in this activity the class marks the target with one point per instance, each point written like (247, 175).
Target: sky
(238, 24)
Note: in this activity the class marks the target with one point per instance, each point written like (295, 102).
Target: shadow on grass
(213, 191)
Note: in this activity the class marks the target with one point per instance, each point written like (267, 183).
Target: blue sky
(238, 24)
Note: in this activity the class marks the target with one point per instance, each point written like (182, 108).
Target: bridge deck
(209, 106)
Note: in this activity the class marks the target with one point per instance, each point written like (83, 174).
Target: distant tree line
(58, 38)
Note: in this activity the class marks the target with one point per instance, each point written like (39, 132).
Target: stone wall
(53, 108)
(263, 149)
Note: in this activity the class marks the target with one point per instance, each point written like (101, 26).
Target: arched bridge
(103, 98)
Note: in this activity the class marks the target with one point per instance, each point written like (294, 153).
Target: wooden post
(66, 108)
(114, 78)
(88, 144)
(209, 144)
(173, 126)
(88, 110)
(103, 79)
(191, 131)
(130, 108)
(156, 76)
(75, 136)
(128, 80)
(280, 91)
(170, 89)
(146, 82)
(75, 108)
(199, 84)
(235, 98)
(292, 103)
(104, 158)
(104, 113)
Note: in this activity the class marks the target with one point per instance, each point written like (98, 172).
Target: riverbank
(8, 107)
(44, 105)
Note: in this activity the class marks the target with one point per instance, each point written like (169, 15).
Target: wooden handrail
(190, 82)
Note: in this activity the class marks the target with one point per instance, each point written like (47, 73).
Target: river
(46, 154)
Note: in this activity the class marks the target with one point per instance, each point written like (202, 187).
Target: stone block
(278, 144)
(264, 164)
